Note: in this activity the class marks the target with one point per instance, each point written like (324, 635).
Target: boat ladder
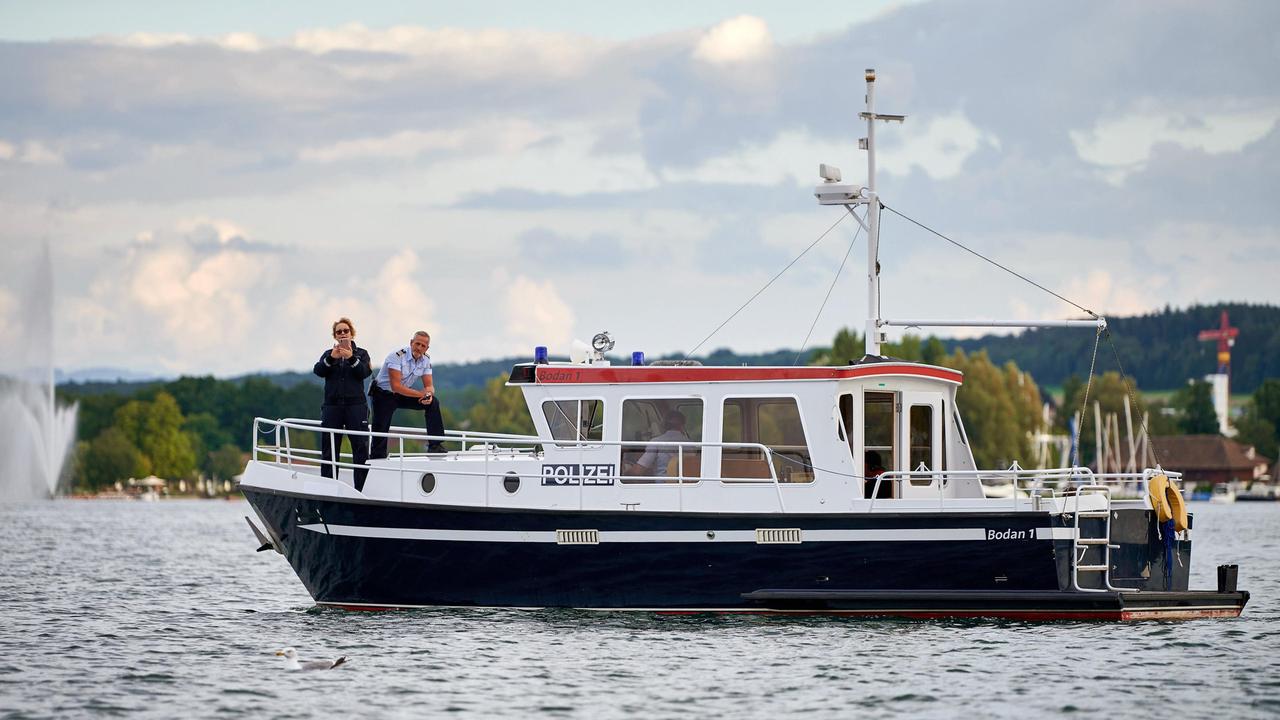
(1081, 544)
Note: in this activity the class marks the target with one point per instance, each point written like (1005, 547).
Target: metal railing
(1024, 485)
(493, 446)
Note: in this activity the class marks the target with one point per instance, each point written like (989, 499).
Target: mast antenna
(832, 192)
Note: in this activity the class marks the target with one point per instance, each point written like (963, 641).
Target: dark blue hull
(448, 556)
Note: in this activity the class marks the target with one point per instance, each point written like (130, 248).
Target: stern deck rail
(1028, 489)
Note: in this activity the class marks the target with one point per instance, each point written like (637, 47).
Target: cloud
(740, 39)
(184, 302)
(536, 314)
(388, 303)
(509, 136)
(555, 250)
(735, 247)
(8, 308)
(204, 235)
(1124, 144)
(1109, 295)
(675, 170)
(174, 301)
(700, 197)
(200, 302)
(31, 152)
(940, 150)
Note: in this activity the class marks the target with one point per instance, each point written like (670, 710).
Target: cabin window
(879, 424)
(774, 423)
(943, 439)
(575, 420)
(955, 416)
(921, 452)
(661, 420)
(846, 419)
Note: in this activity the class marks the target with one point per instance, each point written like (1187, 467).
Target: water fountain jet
(36, 433)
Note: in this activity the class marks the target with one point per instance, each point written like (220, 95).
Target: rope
(766, 286)
(828, 296)
(804, 464)
(876, 269)
(1084, 402)
(1133, 399)
(993, 262)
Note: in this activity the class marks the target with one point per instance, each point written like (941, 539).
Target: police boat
(681, 488)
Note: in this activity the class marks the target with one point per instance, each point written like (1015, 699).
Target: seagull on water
(291, 661)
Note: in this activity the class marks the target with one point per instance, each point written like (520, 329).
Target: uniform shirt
(656, 458)
(410, 369)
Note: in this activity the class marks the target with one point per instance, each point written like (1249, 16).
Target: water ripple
(100, 619)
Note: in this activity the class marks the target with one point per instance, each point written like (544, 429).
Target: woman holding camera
(344, 368)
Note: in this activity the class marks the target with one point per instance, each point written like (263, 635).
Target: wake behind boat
(690, 488)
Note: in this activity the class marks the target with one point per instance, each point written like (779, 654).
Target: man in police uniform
(392, 391)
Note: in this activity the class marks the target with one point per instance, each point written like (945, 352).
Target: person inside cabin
(656, 458)
(874, 469)
(344, 368)
(393, 390)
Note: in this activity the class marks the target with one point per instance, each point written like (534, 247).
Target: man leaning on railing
(393, 389)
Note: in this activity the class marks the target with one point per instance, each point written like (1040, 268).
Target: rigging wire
(822, 307)
(1082, 417)
(1133, 399)
(876, 269)
(1084, 402)
(766, 286)
(993, 262)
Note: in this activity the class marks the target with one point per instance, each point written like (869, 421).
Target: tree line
(1160, 349)
(202, 426)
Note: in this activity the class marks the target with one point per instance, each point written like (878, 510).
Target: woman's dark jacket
(344, 379)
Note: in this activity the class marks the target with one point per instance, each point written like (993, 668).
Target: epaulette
(400, 351)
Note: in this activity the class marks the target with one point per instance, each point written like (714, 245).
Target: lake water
(116, 608)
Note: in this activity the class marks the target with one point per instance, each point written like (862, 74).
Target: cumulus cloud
(740, 39)
(1124, 143)
(177, 304)
(537, 314)
(185, 303)
(388, 303)
(337, 150)
(486, 137)
(1108, 294)
(940, 150)
(31, 152)
(202, 303)
(487, 51)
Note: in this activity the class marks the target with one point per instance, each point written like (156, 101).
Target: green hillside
(1160, 349)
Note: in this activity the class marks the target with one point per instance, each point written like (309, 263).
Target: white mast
(868, 143)
(834, 192)
(873, 219)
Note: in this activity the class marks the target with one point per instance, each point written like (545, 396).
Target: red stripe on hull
(1033, 615)
(1030, 615)
(551, 374)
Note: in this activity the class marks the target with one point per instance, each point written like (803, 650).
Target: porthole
(428, 483)
(511, 482)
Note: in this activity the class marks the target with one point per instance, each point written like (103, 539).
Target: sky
(216, 185)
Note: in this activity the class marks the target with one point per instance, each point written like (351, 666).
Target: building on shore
(1211, 459)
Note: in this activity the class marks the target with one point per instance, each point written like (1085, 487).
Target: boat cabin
(688, 423)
